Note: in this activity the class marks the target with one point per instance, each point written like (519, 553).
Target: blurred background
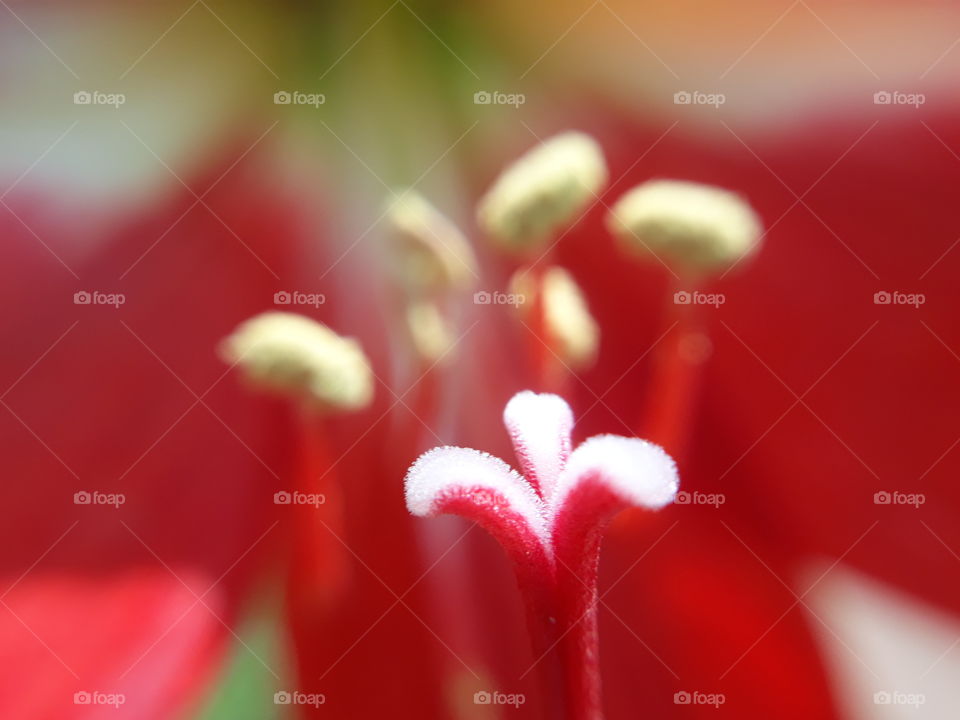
(185, 162)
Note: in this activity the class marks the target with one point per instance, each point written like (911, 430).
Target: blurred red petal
(133, 400)
(140, 636)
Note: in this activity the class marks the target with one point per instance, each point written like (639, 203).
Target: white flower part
(539, 426)
(638, 472)
(699, 226)
(450, 470)
(543, 190)
(297, 356)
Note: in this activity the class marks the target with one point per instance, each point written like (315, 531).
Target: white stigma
(296, 356)
(443, 472)
(700, 227)
(431, 252)
(639, 472)
(542, 191)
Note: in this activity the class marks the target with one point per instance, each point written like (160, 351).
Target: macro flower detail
(293, 355)
(542, 191)
(259, 258)
(699, 227)
(428, 252)
(570, 332)
(549, 520)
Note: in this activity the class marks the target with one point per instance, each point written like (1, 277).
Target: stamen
(562, 334)
(431, 334)
(567, 319)
(542, 191)
(296, 356)
(430, 251)
(699, 227)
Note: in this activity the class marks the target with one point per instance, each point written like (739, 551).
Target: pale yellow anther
(429, 251)
(296, 356)
(543, 191)
(698, 228)
(571, 330)
(429, 331)
(568, 320)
